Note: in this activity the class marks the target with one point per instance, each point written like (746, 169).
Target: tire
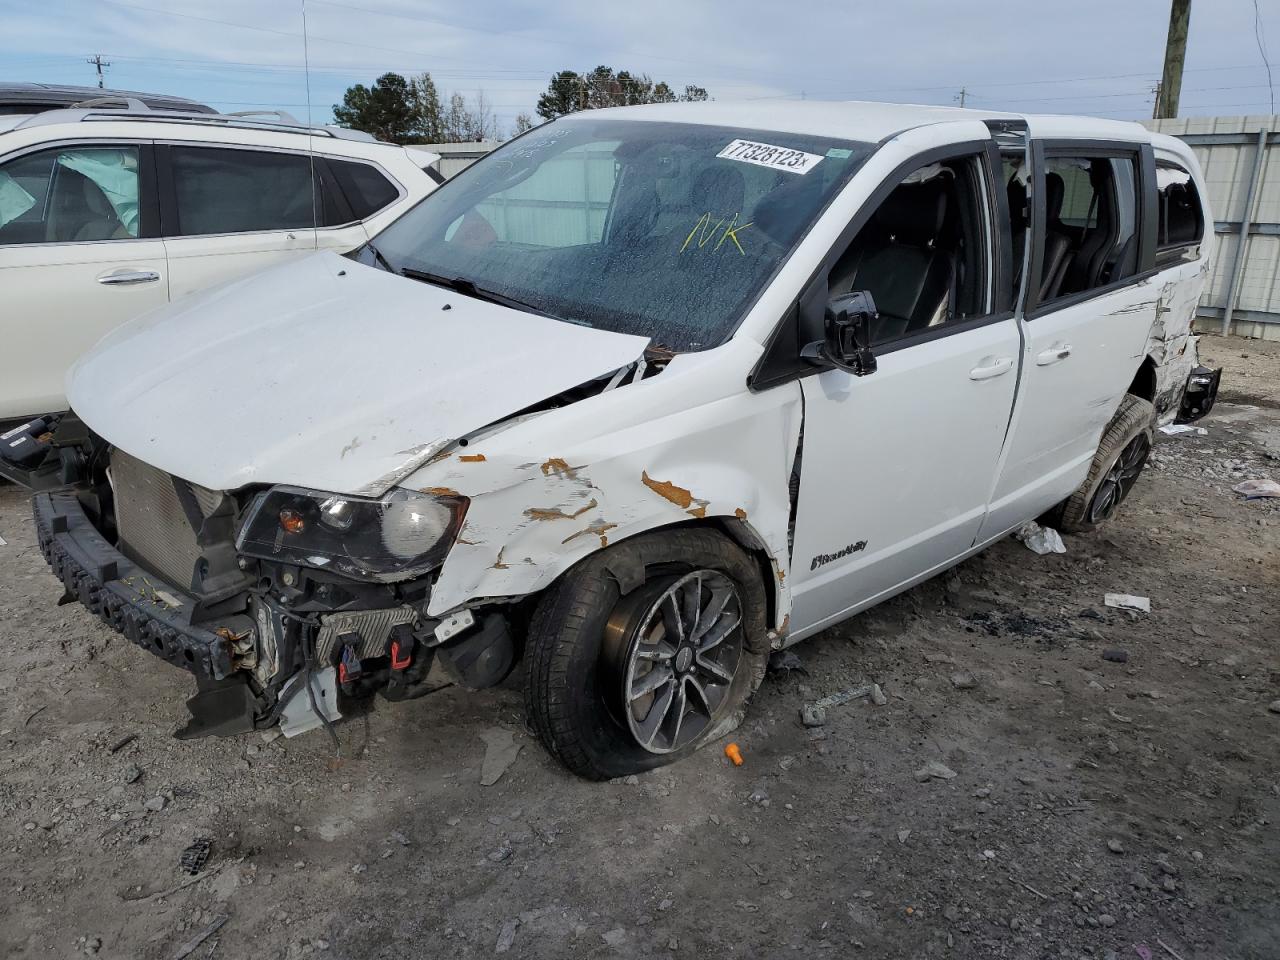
(1116, 466)
(576, 696)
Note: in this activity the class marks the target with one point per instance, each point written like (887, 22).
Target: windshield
(666, 230)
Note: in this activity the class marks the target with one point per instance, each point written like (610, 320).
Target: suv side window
(1181, 218)
(366, 189)
(219, 190)
(1091, 223)
(70, 194)
(923, 255)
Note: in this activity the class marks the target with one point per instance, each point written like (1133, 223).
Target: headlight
(401, 536)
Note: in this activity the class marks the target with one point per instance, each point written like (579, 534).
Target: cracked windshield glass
(665, 230)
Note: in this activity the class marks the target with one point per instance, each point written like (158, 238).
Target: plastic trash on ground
(1255, 489)
(1126, 601)
(1040, 539)
(1183, 429)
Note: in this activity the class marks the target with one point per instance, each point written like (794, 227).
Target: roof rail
(128, 108)
(126, 103)
(281, 115)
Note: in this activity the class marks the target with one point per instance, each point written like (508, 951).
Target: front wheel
(1121, 455)
(620, 681)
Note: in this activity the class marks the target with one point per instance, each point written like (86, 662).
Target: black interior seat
(898, 259)
(1092, 259)
(1057, 239)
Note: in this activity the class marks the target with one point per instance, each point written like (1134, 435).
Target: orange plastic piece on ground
(733, 753)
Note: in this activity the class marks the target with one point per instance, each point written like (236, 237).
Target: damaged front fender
(552, 489)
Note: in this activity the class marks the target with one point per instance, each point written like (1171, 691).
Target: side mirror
(847, 335)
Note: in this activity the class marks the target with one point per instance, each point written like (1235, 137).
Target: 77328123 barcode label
(767, 155)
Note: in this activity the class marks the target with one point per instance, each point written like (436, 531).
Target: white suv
(640, 396)
(110, 209)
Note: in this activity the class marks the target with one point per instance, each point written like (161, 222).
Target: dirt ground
(1097, 809)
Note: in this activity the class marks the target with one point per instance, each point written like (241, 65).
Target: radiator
(153, 527)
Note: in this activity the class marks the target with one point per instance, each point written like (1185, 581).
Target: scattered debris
(155, 804)
(614, 937)
(1115, 846)
(963, 681)
(132, 773)
(1274, 706)
(1116, 655)
(877, 695)
(734, 754)
(1119, 716)
(844, 696)
(1168, 949)
(1029, 888)
(122, 743)
(1040, 539)
(1127, 601)
(812, 716)
(507, 935)
(1182, 430)
(784, 661)
(903, 835)
(500, 751)
(195, 856)
(933, 770)
(1257, 489)
(35, 713)
(193, 944)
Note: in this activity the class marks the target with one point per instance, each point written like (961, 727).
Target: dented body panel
(293, 391)
(687, 445)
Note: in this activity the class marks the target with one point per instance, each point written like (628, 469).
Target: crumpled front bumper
(150, 612)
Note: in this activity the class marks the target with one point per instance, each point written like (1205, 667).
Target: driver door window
(924, 254)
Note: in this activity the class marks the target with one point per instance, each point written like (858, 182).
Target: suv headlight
(401, 536)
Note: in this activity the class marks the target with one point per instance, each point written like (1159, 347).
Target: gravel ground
(1017, 795)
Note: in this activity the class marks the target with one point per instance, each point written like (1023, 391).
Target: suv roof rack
(130, 108)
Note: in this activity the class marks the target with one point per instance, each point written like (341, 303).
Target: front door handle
(991, 367)
(1055, 354)
(127, 277)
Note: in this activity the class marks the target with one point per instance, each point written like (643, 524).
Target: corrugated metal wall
(1228, 151)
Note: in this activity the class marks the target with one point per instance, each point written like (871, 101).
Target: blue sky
(1097, 57)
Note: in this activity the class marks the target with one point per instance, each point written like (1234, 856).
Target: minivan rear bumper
(1200, 394)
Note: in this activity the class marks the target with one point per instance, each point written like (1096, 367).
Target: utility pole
(1155, 103)
(98, 62)
(960, 97)
(1175, 54)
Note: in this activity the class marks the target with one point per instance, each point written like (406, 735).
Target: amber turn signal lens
(291, 521)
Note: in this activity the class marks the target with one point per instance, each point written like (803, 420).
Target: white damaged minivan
(636, 399)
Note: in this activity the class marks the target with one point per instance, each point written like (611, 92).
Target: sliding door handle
(991, 367)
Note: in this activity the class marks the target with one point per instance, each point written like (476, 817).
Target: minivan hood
(325, 374)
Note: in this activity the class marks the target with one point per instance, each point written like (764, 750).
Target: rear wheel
(645, 651)
(1116, 466)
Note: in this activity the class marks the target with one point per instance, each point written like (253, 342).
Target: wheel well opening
(1144, 381)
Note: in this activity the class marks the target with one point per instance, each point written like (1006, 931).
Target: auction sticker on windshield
(767, 155)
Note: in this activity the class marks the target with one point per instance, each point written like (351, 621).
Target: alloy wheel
(674, 652)
(1119, 480)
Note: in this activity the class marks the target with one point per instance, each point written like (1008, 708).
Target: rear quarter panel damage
(546, 491)
(1170, 344)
